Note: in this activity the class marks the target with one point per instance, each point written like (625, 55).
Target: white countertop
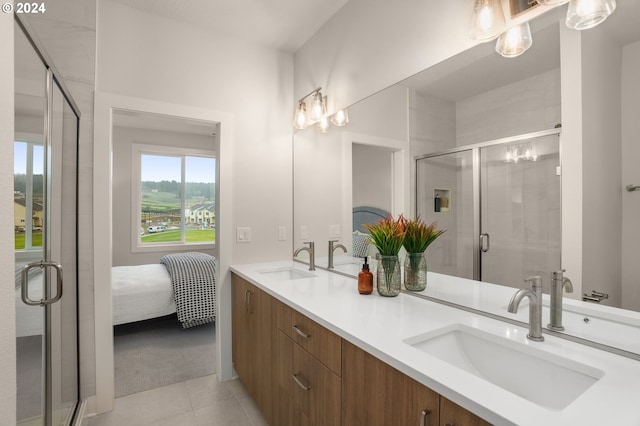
(380, 324)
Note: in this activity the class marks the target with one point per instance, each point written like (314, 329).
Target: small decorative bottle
(365, 279)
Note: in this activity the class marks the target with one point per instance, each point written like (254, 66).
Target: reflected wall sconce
(487, 21)
(519, 153)
(318, 113)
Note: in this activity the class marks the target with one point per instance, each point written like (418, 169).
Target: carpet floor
(158, 352)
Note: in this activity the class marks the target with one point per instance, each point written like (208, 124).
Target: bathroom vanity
(311, 350)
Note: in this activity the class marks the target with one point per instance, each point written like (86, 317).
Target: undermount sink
(546, 379)
(286, 273)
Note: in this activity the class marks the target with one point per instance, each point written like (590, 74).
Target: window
(174, 187)
(28, 196)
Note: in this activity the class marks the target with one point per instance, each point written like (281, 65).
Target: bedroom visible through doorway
(165, 191)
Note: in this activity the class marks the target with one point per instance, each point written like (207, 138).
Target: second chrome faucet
(332, 248)
(534, 293)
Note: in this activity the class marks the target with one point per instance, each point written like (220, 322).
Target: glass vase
(388, 276)
(415, 272)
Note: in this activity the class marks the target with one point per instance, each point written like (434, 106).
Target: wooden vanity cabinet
(301, 374)
(252, 342)
(374, 393)
(307, 371)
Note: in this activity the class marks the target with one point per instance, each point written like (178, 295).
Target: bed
(182, 283)
(361, 216)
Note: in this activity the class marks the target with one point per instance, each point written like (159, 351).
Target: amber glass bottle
(365, 279)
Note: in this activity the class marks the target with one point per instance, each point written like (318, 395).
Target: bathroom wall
(150, 57)
(123, 138)
(7, 284)
(371, 44)
(602, 151)
(630, 176)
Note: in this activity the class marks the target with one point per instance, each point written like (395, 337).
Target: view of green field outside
(36, 240)
(192, 236)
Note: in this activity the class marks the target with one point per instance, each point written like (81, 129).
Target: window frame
(137, 151)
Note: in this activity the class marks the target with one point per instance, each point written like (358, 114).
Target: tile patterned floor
(199, 402)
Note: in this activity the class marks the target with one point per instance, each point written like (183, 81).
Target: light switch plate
(334, 231)
(243, 235)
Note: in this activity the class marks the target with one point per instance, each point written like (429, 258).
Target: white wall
(630, 176)
(123, 138)
(602, 162)
(7, 284)
(371, 44)
(162, 64)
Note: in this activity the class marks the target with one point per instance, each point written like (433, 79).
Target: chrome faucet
(332, 248)
(534, 293)
(312, 254)
(558, 284)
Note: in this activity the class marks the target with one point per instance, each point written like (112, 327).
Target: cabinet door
(252, 341)
(452, 414)
(241, 339)
(374, 393)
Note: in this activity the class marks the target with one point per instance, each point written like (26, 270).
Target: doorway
(45, 223)
(500, 204)
(164, 190)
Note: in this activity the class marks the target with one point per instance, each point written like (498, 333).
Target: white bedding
(141, 292)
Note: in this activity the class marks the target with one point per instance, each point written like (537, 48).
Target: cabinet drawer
(314, 388)
(317, 340)
(452, 414)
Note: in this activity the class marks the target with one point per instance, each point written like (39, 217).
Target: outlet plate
(334, 231)
(282, 233)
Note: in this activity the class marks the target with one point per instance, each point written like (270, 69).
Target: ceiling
(280, 24)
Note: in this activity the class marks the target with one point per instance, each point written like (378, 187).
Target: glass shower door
(45, 218)
(445, 194)
(520, 232)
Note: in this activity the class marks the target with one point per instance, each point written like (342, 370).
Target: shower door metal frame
(53, 79)
(476, 181)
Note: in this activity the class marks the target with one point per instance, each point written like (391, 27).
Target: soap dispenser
(365, 279)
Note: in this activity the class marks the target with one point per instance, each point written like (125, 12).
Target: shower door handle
(25, 283)
(484, 243)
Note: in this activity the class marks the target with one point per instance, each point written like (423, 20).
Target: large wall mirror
(553, 133)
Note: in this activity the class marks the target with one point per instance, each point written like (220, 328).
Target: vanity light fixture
(585, 14)
(302, 119)
(318, 113)
(515, 41)
(487, 20)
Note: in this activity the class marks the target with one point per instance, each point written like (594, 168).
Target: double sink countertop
(487, 366)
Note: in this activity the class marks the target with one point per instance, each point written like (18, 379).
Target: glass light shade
(323, 125)
(515, 41)
(300, 118)
(340, 118)
(487, 21)
(552, 2)
(585, 14)
(318, 108)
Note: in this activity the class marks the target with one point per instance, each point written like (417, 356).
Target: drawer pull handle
(450, 424)
(300, 382)
(300, 332)
(425, 414)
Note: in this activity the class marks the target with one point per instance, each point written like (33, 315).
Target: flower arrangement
(387, 235)
(417, 235)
